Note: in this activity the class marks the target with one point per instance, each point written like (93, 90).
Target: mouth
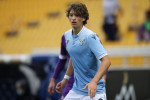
(73, 23)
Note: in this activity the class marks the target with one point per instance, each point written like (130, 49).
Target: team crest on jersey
(81, 42)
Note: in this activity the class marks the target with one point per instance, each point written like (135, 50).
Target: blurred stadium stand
(30, 33)
(40, 24)
(50, 22)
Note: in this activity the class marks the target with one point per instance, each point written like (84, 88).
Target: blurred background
(30, 40)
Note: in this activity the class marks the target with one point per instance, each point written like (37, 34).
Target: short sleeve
(96, 46)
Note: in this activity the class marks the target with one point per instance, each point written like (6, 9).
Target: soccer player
(88, 58)
(59, 67)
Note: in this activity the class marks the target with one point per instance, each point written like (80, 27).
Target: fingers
(51, 89)
(51, 86)
(92, 93)
(85, 87)
(59, 88)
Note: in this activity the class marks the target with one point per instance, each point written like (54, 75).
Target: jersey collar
(80, 31)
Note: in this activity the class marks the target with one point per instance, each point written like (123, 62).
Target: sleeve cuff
(101, 56)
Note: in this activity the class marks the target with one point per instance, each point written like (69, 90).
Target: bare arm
(70, 70)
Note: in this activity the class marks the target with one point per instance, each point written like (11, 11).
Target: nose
(73, 17)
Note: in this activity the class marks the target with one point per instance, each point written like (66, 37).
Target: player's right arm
(63, 83)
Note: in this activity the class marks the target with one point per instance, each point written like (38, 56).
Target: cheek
(69, 19)
(80, 21)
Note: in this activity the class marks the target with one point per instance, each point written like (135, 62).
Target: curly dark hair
(80, 9)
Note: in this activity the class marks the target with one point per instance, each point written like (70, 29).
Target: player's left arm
(92, 86)
(100, 53)
(105, 63)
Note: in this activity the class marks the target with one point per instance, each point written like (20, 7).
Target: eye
(70, 15)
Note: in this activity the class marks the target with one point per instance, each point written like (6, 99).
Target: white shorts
(74, 96)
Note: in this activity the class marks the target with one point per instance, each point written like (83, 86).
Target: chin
(73, 26)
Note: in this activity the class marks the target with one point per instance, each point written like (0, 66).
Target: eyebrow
(72, 13)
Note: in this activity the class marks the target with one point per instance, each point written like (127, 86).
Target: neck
(77, 30)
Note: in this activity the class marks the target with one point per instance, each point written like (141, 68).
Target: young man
(88, 58)
(59, 67)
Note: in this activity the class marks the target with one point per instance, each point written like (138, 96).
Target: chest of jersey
(77, 46)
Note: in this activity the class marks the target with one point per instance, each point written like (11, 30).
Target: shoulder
(89, 33)
(68, 32)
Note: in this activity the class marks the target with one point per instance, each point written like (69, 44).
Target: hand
(92, 87)
(51, 86)
(61, 85)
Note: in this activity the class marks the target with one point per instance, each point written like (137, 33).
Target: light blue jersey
(85, 50)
